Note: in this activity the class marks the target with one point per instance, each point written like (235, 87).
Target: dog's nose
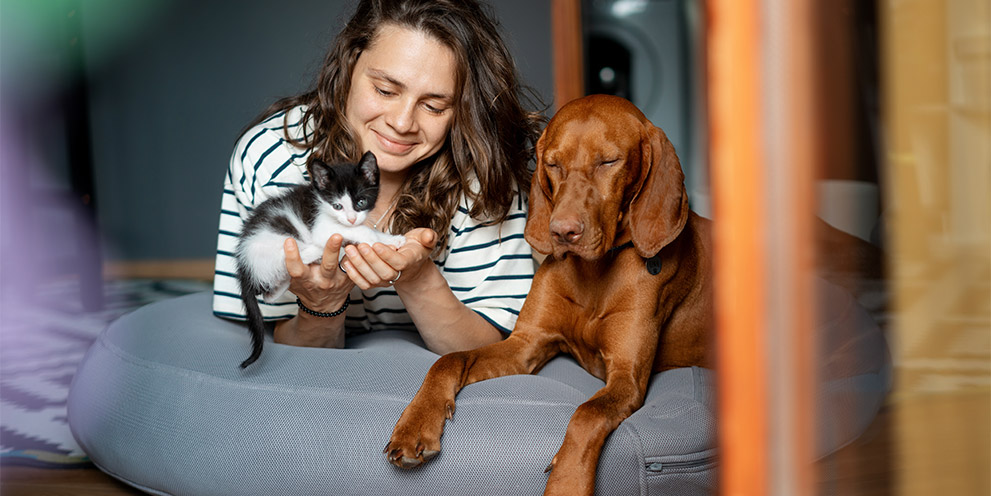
(567, 230)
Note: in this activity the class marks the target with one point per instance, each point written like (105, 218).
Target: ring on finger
(341, 266)
(400, 274)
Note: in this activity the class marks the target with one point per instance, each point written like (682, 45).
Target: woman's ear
(538, 229)
(659, 210)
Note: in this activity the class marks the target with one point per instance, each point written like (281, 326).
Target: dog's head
(605, 176)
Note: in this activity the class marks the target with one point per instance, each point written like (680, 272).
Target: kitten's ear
(369, 166)
(320, 173)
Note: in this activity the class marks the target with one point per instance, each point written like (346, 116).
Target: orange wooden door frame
(736, 154)
(762, 140)
(566, 35)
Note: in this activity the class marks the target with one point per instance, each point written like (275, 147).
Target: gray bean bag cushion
(160, 403)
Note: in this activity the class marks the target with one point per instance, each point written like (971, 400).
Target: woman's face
(402, 97)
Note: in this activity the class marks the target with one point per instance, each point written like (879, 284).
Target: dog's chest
(599, 289)
(603, 303)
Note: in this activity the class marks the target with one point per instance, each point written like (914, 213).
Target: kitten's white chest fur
(265, 249)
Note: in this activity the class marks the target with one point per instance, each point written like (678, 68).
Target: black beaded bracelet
(315, 313)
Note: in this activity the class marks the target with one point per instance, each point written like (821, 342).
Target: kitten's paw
(310, 253)
(392, 240)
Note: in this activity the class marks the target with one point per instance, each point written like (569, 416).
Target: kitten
(337, 200)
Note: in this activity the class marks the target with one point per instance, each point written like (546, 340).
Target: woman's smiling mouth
(391, 145)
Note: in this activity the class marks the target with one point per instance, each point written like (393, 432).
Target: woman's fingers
(317, 282)
(413, 255)
(294, 265)
(331, 255)
(380, 265)
(367, 268)
(426, 237)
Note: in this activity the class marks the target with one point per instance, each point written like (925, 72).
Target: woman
(430, 88)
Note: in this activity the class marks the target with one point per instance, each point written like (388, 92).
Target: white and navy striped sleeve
(490, 267)
(262, 165)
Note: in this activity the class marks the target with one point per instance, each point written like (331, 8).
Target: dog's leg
(574, 466)
(416, 437)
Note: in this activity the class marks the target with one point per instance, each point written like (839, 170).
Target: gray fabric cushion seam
(641, 468)
(670, 412)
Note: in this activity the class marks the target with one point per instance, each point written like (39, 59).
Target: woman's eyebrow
(380, 74)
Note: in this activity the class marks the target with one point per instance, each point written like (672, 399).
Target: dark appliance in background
(647, 51)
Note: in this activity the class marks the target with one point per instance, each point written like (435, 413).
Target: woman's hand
(380, 265)
(320, 286)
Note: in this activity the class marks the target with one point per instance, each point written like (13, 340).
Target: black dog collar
(653, 263)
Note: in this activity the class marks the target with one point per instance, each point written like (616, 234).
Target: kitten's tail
(256, 324)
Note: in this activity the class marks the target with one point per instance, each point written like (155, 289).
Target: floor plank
(29, 481)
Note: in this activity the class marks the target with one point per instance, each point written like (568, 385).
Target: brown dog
(626, 293)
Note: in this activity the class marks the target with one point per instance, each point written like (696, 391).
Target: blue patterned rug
(41, 345)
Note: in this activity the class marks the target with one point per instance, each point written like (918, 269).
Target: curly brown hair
(492, 135)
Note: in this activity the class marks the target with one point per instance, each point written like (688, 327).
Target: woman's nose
(402, 116)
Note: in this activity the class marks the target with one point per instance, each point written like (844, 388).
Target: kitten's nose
(352, 220)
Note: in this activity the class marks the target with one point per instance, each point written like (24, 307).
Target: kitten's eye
(337, 206)
(361, 204)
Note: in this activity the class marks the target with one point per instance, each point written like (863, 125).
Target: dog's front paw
(409, 457)
(416, 437)
(569, 477)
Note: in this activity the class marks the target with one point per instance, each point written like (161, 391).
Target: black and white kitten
(336, 201)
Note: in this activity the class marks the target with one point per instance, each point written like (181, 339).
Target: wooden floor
(23, 481)
(922, 445)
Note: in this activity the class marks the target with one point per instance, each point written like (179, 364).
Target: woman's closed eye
(435, 109)
(384, 92)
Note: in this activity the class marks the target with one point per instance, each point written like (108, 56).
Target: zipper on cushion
(680, 466)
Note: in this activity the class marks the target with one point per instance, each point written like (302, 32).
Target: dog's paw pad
(397, 458)
(401, 459)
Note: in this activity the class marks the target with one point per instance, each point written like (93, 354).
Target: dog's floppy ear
(659, 209)
(538, 229)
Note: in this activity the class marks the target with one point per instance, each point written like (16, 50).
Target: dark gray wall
(172, 83)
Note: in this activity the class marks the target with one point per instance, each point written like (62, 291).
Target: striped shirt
(488, 267)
